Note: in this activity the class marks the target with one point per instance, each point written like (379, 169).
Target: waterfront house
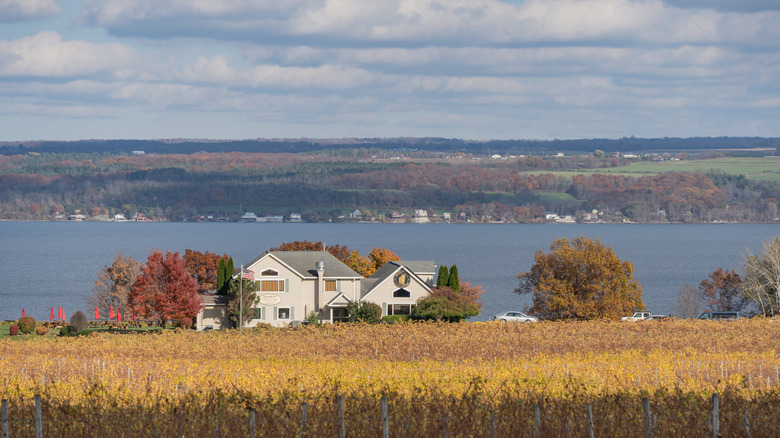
(292, 285)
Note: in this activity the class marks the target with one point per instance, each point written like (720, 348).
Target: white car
(514, 316)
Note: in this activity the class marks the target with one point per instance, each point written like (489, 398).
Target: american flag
(247, 274)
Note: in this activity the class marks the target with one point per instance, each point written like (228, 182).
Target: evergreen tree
(227, 276)
(444, 277)
(220, 275)
(454, 281)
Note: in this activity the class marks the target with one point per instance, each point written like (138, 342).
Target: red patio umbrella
(118, 315)
(59, 313)
(111, 313)
(133, 316)
(52, 313)
(97, 313)
(23, 312)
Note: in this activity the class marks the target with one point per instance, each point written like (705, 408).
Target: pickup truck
(642, 316)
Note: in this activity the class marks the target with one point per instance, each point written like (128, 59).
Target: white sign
(270, 300)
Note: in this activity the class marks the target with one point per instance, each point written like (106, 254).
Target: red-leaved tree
(723, 291)
(165, 290)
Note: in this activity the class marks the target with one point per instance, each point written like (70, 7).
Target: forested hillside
(327, 187)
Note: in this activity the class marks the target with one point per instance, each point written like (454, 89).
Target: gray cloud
(728, 5)
(22, 10)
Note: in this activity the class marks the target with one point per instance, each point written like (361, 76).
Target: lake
(50, 264)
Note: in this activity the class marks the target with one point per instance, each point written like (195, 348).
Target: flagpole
(241, 298)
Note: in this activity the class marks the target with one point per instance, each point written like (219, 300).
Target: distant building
(249, 217)
(295, 217)
(276, 219)
(292, 285)
(357, 214)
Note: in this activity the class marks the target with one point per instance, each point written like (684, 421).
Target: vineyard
(427, 379)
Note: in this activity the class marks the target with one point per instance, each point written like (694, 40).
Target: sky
(470, 69)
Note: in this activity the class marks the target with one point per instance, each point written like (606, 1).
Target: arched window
(269, 273)
(402, 293)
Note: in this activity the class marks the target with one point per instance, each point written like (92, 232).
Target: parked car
(718, 315)
(638, 316)
(514, 316)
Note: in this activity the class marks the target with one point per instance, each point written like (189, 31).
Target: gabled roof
(340, 300)
(390, 268)
(304, 263)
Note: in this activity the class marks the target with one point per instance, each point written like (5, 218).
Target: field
(754, 168)
(470, 379)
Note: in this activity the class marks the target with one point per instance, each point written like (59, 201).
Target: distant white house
(249, 217)
(295, 217)
(357, 214)
(420, 216)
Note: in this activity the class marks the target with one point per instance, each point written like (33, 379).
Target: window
(283, 313)
(330, 285)
(269, 273)
(400, 309)
(271, 285)
(340, 314)
(402, 293)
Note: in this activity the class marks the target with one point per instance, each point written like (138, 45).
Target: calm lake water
(45, 264)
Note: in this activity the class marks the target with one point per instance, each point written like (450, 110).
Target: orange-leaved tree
(113, 284)
(204, 267)
(165, 290)
(582, 279)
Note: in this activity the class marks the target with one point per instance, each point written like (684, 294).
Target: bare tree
(113, 283)
(688, 303)
(761, 280)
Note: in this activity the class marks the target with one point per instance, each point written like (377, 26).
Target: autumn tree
(582, 279)
(241, 300)
(447, 304)
(204, 267)
(378, 257)
(688, 302)
(761, 278)
(723, 292)
(165, 290)
(113, 284)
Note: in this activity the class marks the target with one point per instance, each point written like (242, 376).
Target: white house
(292, 285)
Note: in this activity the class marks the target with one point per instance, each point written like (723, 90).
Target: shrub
(364, 312)
(185, 322)
(78, 322)
(41, 330)
(395, 318)
(27, 324)
(14, 329)
(65, 331)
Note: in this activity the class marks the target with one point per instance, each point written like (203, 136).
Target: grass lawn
(755, 168)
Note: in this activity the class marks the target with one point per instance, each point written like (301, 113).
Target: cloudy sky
(472, 69)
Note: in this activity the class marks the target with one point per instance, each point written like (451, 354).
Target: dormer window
(269, 273)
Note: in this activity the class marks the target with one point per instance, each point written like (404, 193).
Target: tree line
(321, 188)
